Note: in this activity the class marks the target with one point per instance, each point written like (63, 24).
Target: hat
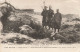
(45, 7)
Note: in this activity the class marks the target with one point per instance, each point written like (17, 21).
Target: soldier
(50, 16)
(44, 14)
(58, 19)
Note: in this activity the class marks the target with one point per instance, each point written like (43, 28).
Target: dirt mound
(16, 38)
(69, 34)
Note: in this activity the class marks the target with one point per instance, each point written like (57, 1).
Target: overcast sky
(65, 6)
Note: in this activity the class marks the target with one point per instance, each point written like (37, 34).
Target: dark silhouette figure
(45, 15)
(50, 16)
(57, 20)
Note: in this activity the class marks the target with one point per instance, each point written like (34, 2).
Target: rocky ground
(34, 33)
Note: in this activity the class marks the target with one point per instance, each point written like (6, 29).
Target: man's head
(57, 10)
(50, 7)
(45, 7)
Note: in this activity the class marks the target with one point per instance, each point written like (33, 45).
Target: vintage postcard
(50, 25)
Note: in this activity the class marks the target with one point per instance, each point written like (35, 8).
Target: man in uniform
(45, 15)
(58, 19)
(50, 16)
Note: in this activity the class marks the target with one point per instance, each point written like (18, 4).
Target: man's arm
(52, 12)
(61, 16)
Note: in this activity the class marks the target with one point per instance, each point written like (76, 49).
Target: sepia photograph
(39, 22)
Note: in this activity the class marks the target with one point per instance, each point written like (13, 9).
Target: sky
(65, 6)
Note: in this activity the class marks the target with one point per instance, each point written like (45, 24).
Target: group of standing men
(51, 19)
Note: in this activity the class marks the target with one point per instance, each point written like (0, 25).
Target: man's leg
(43, 26)
(49, 28)
(46, 27)
(54, 30)
(58, 30)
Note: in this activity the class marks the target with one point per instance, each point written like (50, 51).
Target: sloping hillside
(32, 31)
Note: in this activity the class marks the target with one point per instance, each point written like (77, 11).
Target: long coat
(44, 19)
(50, 16)
(57, 20)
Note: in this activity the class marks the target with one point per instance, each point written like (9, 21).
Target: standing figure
(50, 16)
(45, 15)
(58, 19)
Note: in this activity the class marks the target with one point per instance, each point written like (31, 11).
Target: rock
(26, 29)
(16, 38)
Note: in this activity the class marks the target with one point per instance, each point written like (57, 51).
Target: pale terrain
(68, 29)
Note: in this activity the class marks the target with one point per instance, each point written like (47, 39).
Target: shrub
(65, 26)
(76, 19)
(16, 38)
(68, 37)
(77, 26)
